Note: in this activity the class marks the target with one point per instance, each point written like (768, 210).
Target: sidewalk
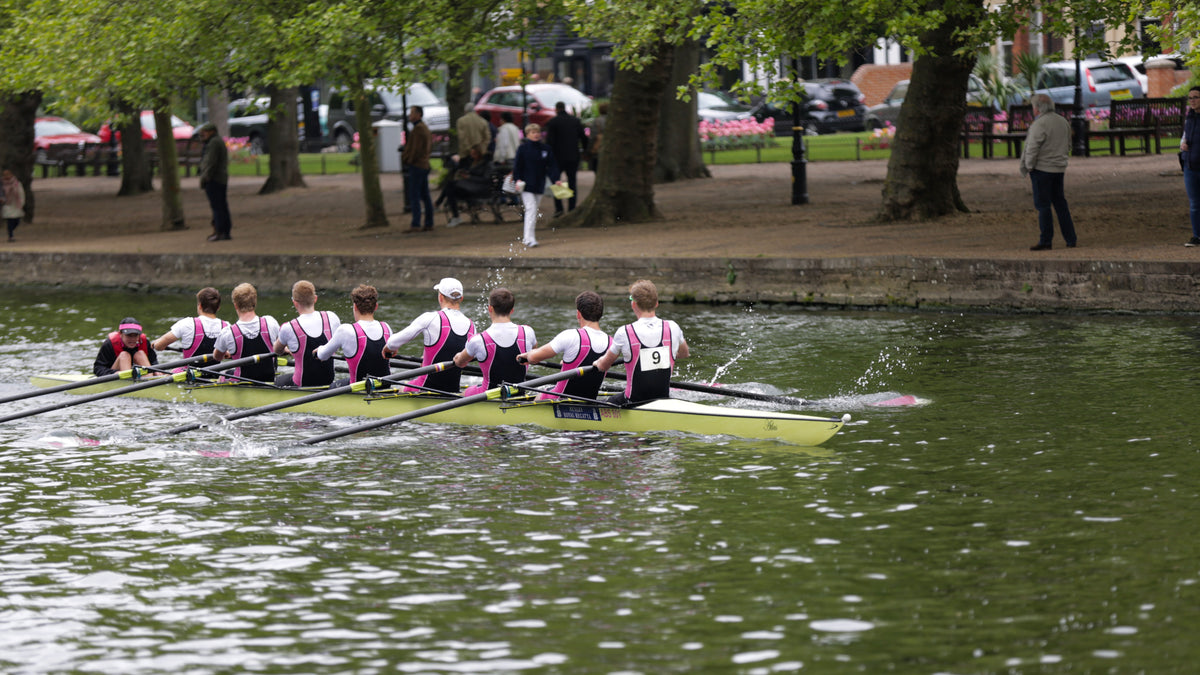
(1128, 211)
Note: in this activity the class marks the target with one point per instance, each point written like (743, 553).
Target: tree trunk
(458, 92)
(136, 177)
(217, 101)
(679, 154)
(283, 139)
(168, 170)
(922, 179)
(17, 115)
(369, 162)
(624, 188)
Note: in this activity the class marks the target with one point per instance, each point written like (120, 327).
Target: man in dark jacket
(418, 145)
(566, 138)
(214, 180)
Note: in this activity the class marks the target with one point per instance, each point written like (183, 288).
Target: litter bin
(387, 144)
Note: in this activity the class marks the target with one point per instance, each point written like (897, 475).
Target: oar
(723, 391)
(133, 373)
(157, 382)
(395, 378)
(686, 386)
(488, 395)
(705, 388)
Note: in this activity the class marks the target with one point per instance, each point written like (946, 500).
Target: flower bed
(880, 139)
(735, 134)
(239, 150)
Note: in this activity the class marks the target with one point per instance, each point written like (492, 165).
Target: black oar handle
(705, 388)
(124, 390)
(300, 400)
(130, 374)
(686, 386)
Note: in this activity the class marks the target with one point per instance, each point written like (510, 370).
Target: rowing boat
(662, 415)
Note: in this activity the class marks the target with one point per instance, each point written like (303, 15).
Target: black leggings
(12, 225)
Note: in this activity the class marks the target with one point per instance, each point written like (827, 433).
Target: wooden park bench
(979, 124)
(188, 153)
(1019, 119)
(61, 157)
(1142, 119)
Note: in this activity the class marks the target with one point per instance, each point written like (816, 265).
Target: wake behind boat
(656, 416)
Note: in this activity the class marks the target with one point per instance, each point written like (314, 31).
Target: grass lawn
(841, 147)
(311, 164)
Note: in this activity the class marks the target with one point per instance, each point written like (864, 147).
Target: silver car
(386, 104)
(1103, 82)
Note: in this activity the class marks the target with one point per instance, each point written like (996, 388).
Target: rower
(302, 335)
(648, 347)
(578, 347)
(123, 349)
(361, 342)
(198, 334)
(497, 347)
(445, 333)
(250, 336)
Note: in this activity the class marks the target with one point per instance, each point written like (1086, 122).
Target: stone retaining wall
(897, 281)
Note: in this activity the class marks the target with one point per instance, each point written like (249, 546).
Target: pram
(495, 200)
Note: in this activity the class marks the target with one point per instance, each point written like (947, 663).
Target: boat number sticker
(576, 412)
(655, 358)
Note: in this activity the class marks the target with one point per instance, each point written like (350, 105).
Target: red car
(540, 99)
(48, 131)
(181, 129)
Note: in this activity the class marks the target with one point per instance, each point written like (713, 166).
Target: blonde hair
(245, 298)
(645, 294)
(532, 127)
(304, 293)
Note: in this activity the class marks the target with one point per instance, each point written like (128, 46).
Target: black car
(828, 105)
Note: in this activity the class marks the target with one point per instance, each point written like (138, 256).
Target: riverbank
(735, 237)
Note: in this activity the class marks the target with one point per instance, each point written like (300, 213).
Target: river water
(1036, 513)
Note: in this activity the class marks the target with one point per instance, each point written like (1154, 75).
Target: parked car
(1138, 63)
(48, 131)
(180, 129)
(386, 104)
(51, 130)
(889, 109)
(248, 119)
(540, 100)
(717, 106)
(828, 105)
(1103, 82)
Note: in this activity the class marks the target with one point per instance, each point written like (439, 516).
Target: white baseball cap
(450, 287)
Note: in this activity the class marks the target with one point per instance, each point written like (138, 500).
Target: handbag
(1182, 160)
(509, 185)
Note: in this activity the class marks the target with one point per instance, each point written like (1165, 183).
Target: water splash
(751, 326)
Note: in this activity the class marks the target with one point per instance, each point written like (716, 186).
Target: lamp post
(1079, 124)
(799, 162)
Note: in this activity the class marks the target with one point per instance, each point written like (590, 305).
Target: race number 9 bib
(654, 358)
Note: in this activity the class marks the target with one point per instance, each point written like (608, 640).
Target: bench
(188, 153)
(62, 156)
(1141, 120)
(1019, 119)
(979, 124)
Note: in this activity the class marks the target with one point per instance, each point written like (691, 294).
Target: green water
(1036, 515)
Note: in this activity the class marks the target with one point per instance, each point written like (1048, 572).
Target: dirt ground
(1125, 208)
